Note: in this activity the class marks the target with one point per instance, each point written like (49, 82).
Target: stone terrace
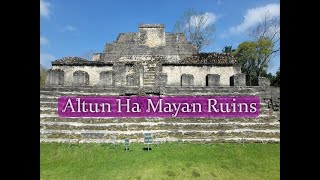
(265, 128)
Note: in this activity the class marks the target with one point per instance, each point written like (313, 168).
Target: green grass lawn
(169, 161)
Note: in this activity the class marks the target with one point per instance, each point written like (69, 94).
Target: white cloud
(208, 16)
(44, 8)
(255, 16)
(43, 40)
(45, 59)
(69, 28)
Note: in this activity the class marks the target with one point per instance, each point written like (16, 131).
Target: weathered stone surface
(152, 35)
(263, 81)
(161, 79)
(213, 80)
(93, 71)
(80, 78)
(151, 40)
(78, 61)
(199, 73)
(238, 80)
(119, 74)
(275, 98)
(187, 80)
(55, 77)
(97, 56)
(133, 79)
(106, 78)
(146, 54)
(209, 58)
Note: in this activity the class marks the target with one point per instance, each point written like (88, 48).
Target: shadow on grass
(146, 149)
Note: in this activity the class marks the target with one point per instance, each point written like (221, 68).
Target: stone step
(149, 75)
(49, 104)
(75, 93)
(55, 101)
(150, 71)
(236, 133)
(48, 96)
(234, 123)
(54, 110)
(262, 119)
(165, 91)
(156, 126)
(120, 142)
(183, 132)
(149, 82)
(91, 89)
(43, 99)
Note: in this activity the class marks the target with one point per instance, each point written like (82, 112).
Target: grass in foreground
(169, 161)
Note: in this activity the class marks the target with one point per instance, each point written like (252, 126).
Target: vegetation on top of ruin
(70, 59)
(210, 58)
(77, 61)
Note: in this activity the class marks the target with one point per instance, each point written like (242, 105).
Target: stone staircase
(265, 128)
(149, 76)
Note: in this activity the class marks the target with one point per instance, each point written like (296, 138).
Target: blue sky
(73, 27)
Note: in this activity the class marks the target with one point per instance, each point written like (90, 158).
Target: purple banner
(158, 106)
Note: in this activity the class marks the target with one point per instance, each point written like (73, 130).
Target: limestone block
(80, 78)
(55, 77)
(106, 78)
(119, 74)
(263, 81)
(161, 79)
(187, 80)
(133, 79)
(238, 80)
(213, 80)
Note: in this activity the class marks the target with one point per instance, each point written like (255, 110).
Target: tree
(43, 75)
(228, 49)
(254, 57)
(88, 54)
(268, 29)
(197, 26)
(276, 81)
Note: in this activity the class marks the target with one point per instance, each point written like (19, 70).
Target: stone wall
(152, 35)
(238, 80)
(150, 40)
(55, 77)
(213, 80)
(199, 72)
(264, 128)
(80, 78)
(263, 81)
(187, 80)
(106, 78)
(93, 72)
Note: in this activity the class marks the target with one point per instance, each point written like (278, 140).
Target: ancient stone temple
(152, 62)
(148, 58)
